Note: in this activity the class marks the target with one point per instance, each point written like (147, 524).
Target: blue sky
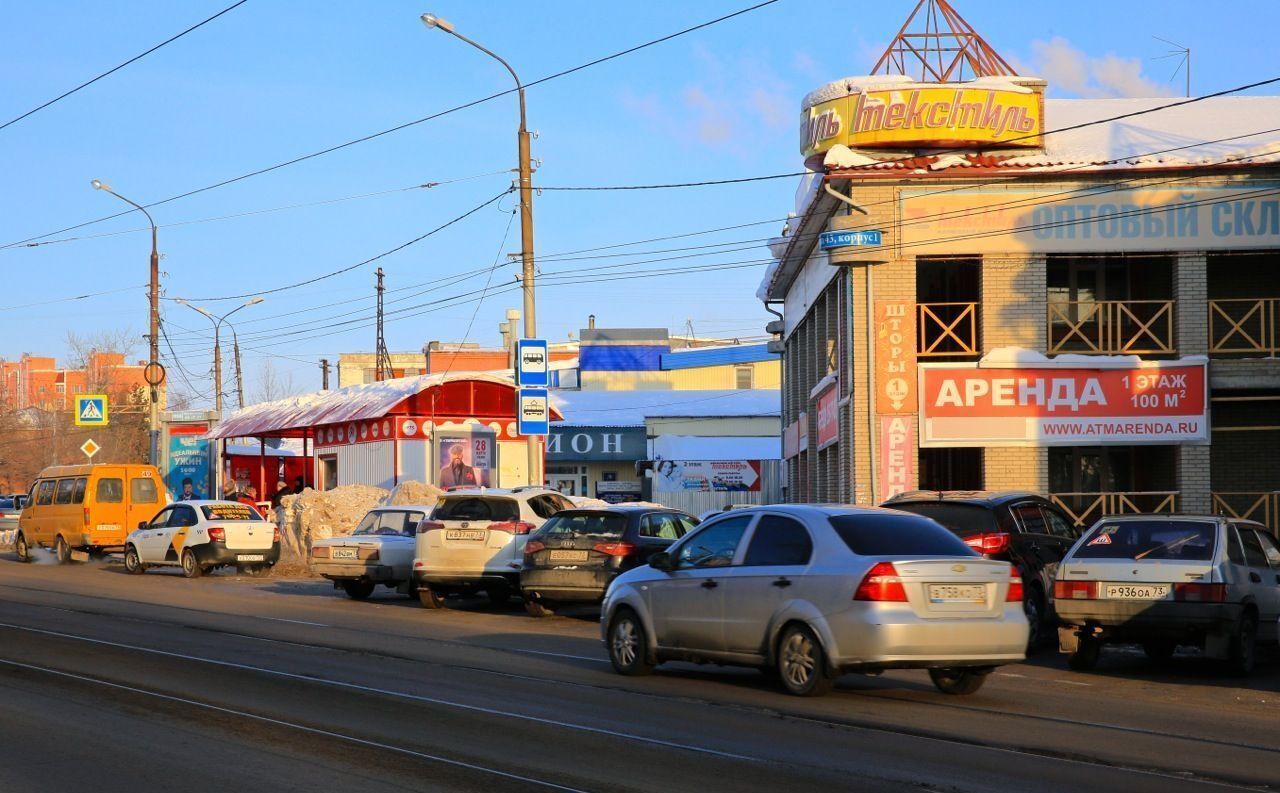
(271, 81)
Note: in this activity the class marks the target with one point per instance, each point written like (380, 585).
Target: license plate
(109, 527)
(465, 534)
(1135, 591)
(345, 553)
(957, 593)
(568, 556)
(250, 557)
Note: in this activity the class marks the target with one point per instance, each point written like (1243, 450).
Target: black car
(578, 552)
(1026, 529)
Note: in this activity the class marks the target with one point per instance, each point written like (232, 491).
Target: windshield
(393, 524)
(886, 534)
(1149, 539)
(595, 524)
(229, 511)
(476, 508)
(963, 519)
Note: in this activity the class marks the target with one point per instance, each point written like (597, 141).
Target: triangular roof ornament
(942, 49)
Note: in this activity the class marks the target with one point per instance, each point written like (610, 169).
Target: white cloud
(1075, 72)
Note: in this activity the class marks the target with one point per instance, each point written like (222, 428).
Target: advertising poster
(962, 405)
(465, 461)
(705, 476)
(897, 455)
(190, 457)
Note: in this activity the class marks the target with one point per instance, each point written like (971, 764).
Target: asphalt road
(110, 682)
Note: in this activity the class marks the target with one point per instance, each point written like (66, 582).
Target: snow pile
(412, 493)
(841, 156)
(588, 503)
(315, 515)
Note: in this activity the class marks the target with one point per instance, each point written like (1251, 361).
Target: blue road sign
(845, 239)
(533, 411)
(91, 410)
(532, 362)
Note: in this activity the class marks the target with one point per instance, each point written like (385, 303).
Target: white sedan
(203, 535)
(379, 551)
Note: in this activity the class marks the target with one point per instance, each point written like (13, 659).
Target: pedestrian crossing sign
(91, 410)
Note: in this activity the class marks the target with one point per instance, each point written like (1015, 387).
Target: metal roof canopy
(448, 397)
(942, 54)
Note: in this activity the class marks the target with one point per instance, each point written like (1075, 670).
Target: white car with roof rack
(199, 536)
(379, 551)
(474, 540)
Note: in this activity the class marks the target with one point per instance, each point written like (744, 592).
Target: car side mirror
(661, 561)
(142, 524)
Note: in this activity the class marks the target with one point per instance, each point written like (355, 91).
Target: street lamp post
(217, 348)
(526, 213)
(154, 373)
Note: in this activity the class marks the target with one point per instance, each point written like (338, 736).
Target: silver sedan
(816, 591)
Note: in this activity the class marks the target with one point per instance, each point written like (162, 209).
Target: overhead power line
(110, 72)
(408, 124)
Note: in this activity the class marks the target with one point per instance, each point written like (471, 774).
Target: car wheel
(429, 598)
(20, 546)
(1244, 646)
(959, 680)
(1159, 650)
(132, 564)
(190, 566)
(1033, 608)
(1086, 655)
(62, 551)
(358, 590)
(802, 664)
(539, 608)
(628, 644)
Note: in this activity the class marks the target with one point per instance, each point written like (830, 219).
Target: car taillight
(1015, 586)
(1200, 593)
(275, 534)
(533, 546)
(321, 552)
(1075, 590)
(217, 534)
(427, 525)
(367, 554)
(86, 516)
(994, 543)
(513, 526)
(881, 583)
(614, 548)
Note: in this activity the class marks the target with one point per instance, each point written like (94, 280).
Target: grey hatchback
(1163, 581)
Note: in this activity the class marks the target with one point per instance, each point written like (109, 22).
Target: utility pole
(526, 216)
(324, 373)
(384, 358)
(217, 372)
(235, 338)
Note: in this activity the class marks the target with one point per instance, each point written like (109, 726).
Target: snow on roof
(698, 447)
(631, 408)
(1013, 357)
(352, 403)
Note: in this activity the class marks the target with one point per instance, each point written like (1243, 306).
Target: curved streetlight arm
(133, 204)
(499, 59)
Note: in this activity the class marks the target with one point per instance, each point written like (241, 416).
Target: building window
(745, 377)
(369, 375)
(328, 473)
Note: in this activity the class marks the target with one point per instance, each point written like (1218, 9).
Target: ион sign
(1158, 402)
(924, 117)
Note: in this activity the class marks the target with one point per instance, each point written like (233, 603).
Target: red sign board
(895, 357)
(897, 455)
(828, 419)
(1157, 402)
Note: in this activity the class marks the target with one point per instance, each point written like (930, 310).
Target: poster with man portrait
(465, 460)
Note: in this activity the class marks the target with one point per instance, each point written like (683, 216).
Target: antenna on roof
(1185, 52)
(942, 49)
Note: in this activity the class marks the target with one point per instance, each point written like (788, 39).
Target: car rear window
(963, 519)
(390, 523)
(1149, 539)
(476, 508)
(897, 535)
(6, 503)
(580, 524)
(110, 491)
(229, 511)
(142, 490)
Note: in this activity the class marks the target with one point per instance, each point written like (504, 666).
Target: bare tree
(273, 384)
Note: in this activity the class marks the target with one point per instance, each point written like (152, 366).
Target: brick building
(1087, 313)
(38, 381)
